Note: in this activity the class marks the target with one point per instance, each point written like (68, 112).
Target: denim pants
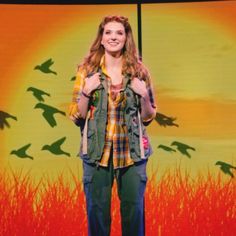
(131, 184)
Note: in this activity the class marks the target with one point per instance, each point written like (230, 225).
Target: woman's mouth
(113, 44)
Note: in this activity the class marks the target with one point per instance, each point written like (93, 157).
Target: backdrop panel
(190, 49)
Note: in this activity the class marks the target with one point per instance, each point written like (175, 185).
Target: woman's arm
(81, 95)
(148, 106)
(148, 109)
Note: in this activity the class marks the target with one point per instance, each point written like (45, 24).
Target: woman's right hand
(91, 83)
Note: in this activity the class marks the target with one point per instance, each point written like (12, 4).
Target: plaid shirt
(116, 131)
(116, 139)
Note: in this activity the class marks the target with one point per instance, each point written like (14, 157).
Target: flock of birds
(48, 112)
(183, 148)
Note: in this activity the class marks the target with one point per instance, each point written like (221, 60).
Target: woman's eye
(119, 33)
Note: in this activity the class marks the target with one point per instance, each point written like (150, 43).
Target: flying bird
(182, 148)
(38, 94)
(21, 152)
(73, 78)
(49, 112)
(164, 120)
(3, 119)
(45, 67)
(226, 168)
(166, 148)
(55, 147)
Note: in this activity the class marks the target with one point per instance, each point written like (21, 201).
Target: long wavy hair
(132, 64)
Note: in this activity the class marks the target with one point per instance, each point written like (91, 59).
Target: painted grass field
(175, 205)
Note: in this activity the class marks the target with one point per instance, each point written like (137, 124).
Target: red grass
(176, 205)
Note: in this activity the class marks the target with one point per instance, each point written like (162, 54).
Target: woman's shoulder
(81, 72)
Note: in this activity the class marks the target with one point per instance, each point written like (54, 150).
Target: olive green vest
(93, 131)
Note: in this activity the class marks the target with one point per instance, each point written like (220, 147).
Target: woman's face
(114, 37)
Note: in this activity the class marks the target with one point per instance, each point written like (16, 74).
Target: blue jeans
(131, 183)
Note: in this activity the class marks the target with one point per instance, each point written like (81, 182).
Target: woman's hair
(132, 65)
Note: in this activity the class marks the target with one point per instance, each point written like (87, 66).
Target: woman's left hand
(139, 87)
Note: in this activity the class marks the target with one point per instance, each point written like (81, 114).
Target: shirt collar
(104, 71)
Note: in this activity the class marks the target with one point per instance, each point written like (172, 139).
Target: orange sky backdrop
(35, 23)
(39, 21)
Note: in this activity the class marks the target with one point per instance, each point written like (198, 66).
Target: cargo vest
(93, 129)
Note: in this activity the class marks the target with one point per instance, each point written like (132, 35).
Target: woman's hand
(91, 83)
(139, 87)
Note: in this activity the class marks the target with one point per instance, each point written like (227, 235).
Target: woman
(112, 103)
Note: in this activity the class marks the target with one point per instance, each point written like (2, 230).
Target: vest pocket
(136, 131)
(91, 142)
(135, 147)
(90, 133)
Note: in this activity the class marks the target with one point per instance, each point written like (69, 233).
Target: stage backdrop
(190, 49)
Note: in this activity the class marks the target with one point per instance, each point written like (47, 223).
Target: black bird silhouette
(181, 147)
(3, 119)
(21, 152)
(226, 168)
(48, 113)
(73, 78)
(164, 120)
(38, 93)
(45, 67)
(166, 148)
(55, 147)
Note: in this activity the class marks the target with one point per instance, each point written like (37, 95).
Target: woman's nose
(113, 36)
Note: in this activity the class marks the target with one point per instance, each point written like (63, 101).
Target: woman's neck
(113, 62)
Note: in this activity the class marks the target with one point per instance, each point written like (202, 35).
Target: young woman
(112, 103)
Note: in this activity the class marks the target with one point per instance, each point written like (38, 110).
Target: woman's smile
(113, 43)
